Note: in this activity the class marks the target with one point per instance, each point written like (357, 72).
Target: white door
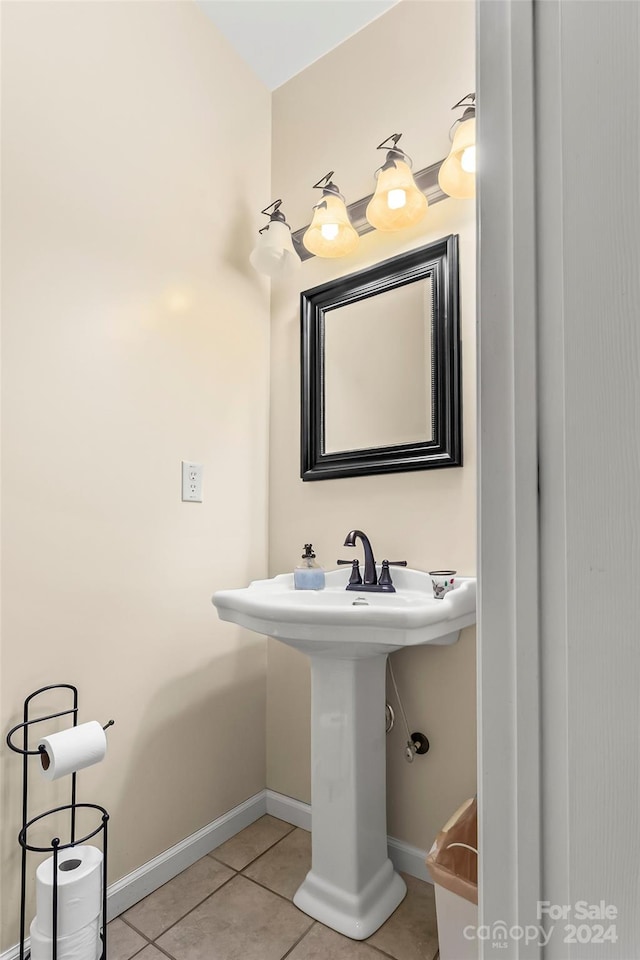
(559, 393)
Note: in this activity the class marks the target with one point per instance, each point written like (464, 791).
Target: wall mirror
(381, 368)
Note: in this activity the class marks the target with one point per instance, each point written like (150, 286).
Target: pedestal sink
(352, 886)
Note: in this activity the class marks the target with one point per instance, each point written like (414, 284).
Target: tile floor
(235, 904)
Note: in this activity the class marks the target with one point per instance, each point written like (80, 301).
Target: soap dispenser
(308, 575)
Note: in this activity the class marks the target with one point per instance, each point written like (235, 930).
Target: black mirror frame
(438, 260)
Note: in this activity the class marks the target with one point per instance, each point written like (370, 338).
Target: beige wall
(135, 334)
(400, 74)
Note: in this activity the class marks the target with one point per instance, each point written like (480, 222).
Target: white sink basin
(347, 635)
(343, 623)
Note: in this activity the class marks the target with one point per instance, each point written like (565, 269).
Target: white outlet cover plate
(191, 481)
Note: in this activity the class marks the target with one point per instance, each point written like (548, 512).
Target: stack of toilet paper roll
(79, 904)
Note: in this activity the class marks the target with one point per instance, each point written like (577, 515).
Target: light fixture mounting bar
(426, 180)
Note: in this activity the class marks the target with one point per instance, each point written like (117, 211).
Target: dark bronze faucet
(371, 583)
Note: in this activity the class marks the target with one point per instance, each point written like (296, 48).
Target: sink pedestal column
(352, 886)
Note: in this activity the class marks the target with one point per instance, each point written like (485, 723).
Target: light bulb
(331, 233)
(329, 230)
(468, 160)
(396, 199)
(456, 176)
(397, 202)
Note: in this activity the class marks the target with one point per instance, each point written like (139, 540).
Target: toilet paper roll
(84, 944)
(79, 890)
(72, 750)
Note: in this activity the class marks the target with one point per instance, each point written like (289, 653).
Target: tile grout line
(266, 850)
(199, 904)
(387, 956)
(382, 953)
(164, 952)
(135, 930)
(299, 940)
(274, 892)
(138, 952)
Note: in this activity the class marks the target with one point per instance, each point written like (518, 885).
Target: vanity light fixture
(457, 176)
(330, 233)
(397, 202)
(274, 253)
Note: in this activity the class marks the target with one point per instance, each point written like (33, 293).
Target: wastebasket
(453, 865)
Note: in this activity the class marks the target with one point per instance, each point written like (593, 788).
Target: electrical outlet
(191, 481)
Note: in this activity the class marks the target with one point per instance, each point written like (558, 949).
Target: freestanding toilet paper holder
(56, 845)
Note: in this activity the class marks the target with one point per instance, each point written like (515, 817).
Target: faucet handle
(355, 577)
(385, 582)
(385, 575)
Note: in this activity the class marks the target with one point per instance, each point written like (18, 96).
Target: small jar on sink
(443, 581)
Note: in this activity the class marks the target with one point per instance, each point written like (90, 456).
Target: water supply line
(390, 717)
(417, 743)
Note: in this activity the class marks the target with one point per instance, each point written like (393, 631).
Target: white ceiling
(279, 38)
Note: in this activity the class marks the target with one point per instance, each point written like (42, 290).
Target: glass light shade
(274, 253)
(397, 202)
(457, 175)
(330, 233)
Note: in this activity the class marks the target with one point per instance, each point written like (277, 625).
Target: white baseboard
(408, 859)
(141, 882)
(288, 809)
(14, 952)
